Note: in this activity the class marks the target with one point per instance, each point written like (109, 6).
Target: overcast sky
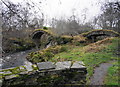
(65, 8)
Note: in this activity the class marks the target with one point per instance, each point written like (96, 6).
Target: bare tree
(110, 18)
(70, 26)
(18, 19)
(21, 16)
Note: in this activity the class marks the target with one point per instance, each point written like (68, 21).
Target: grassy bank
(92, 55)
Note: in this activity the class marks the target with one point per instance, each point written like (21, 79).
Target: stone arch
(37, 34)
(100, 33)
(40, 37)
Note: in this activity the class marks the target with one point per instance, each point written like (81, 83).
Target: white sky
(65, 8)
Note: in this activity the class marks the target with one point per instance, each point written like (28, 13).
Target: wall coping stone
(41, 68)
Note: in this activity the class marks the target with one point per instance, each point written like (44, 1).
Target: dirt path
(15, 59)
(100, 73)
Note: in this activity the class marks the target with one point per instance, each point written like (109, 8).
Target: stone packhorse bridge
(100, 34)
(46, 37)
(39, 32)
(42, 37)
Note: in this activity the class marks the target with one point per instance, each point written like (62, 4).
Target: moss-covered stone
(11, 71)
(34, 67)
(46, 77)
(48, 31)
(11, 76)
(101, 30)
(46, 54)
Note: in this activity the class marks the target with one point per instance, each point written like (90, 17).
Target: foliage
(70, 26)
(45, 28)
(79, 40)
(63, 39)
(109, 19)
(18, 44)
(46, 54)
(112, 75)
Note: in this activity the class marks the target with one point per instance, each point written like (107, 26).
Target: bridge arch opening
(37, 35)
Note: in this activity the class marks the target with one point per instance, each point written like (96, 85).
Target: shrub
(46, 54)
(63, 40)
(17, 44)
(63, 49)
(45, 28)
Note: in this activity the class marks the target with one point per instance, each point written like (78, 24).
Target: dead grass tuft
(98, 46)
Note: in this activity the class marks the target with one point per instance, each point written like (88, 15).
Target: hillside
(92, 54)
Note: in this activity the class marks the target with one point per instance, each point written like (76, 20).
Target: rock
(11, 76)
(6, 72)
(22, 68)
(78, 64)
(1, 82)
(63, 65)
(8, 57)
(45, 65)
(25, 72)
(68, 64)
(67, 72)
(35, 67)
(1, 72)
(28, 66)
(49, 45)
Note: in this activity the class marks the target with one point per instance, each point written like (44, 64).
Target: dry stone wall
(45, 73)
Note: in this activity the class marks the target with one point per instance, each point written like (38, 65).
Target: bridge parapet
(101, 32)
(94, 34)
(37, 33)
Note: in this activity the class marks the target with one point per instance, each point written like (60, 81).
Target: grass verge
(112, 75)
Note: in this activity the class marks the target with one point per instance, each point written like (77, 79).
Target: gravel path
(15, 59)
(100, 73)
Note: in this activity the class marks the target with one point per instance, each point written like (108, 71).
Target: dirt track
(100, 73)
(15, 59)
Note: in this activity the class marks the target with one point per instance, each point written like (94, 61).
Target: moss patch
(11, 71)
(34, 67)
(46, 54)
(84, 34)
(48, 31)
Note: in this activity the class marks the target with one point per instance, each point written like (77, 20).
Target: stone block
(63, 65)
(7, 72)
(28, 66)
(1, 81)
(11, 76)
(22, 68)
(45, 65)
(25, 72)
(78, 64)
